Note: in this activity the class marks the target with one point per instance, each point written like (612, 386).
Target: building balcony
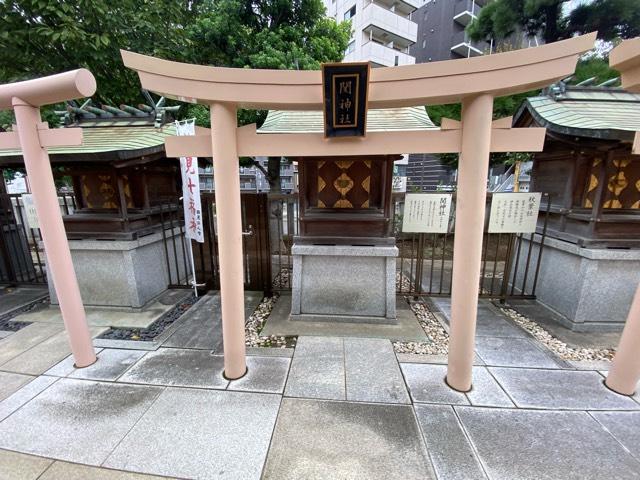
(463, 46)
(385, 56)
(466, 12)
(379, 21)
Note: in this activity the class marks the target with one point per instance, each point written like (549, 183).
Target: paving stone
(490, 323)
(343, 440)
(452, 456)
(486, 391)
(22, 396)
(201, 434)
(178, 367)
(26, 338)
(18, 466)
(10, 382)
(513, 352)
(407, 328)
(437, 359)
(76, 420)
(110, 365)
(426, 384)
(200, 326)
(317, 369)
(16, 298)
(66, 366)
(73, 471)
(527, 444)
(560, 389)
(624, 426)
(265, 374)
(372, 371)
(4, 334)
(45, 354)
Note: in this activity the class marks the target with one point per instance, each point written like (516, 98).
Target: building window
(424, 43)
(397, 61)
(350, 13)
(351, 47)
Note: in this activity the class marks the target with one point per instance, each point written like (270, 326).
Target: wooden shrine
(587, 166)
(122, 181)
(345, 198)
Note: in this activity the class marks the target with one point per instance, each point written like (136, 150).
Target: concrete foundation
(591, 289)
(344, 283)
(126, 274)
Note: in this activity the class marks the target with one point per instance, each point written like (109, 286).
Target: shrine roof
(105, 144)
(607, 113)
(378, 120)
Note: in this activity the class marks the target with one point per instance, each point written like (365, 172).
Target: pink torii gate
(474, 82)
(33, 136)
(625, 371)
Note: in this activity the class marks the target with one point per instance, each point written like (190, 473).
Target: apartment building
(441, 30)
(382, 30)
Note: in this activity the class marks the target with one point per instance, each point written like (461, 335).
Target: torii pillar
(33, 136)
(624, 374)
(473, 169)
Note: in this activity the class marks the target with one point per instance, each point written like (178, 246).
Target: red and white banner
(190, 187)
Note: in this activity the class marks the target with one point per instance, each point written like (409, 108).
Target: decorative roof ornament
(87, 114)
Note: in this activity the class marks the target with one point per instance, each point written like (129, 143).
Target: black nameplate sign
(345, 88)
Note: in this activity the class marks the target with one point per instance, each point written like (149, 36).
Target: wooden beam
(252, 144)
(9, 140)
(636, 144)
(60, 137)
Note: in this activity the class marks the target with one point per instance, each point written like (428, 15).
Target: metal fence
(424, 264)
(22, 260)
(255, 244)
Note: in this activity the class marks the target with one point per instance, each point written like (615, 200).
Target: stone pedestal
(344, 283)
(125, 274)
(590, 288)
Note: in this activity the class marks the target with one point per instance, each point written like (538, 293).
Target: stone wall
(590, 288)
(125, 274)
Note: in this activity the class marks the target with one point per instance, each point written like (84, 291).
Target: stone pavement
(339, 407)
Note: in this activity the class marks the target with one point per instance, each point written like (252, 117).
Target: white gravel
(439, 339)
(256, 322)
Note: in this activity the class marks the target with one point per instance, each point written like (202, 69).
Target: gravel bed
(156, 328)
(558, 347)
(282, 280)
(256, 322)
(7, 323)
(438, 338)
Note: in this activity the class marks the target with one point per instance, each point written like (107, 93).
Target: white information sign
(190, 188)
(30, 211)
(514, 212)
(426, 212)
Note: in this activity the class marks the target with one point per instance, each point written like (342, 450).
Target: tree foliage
(42, 37)
(611, 18)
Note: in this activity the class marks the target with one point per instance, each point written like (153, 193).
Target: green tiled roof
(302, 121)
(608, 113)
(129, 141)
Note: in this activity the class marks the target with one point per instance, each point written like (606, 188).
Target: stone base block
(125, 274)
(591, 289)
(344, 283)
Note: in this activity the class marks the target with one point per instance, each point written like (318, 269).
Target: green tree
(611, 18)
(42, 37)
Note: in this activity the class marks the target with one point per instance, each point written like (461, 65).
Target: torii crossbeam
(474, 82)
(33, 137)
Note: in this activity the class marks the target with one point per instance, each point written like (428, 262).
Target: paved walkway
(342, 408)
